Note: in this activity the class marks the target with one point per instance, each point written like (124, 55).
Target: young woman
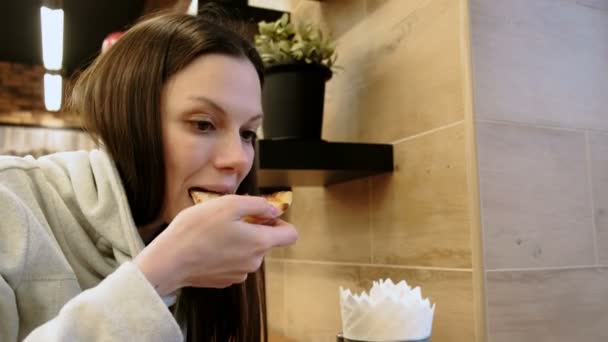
(107, 245)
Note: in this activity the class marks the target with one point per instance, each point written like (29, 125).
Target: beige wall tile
(541, 61)
(599, 176)
(312, 300)
(451, 291)
(341, 16)
(419, 213)
(335, 17)
(312, 303)
(276, 337)
(275, 302)
(276, 253)
(373, 5)
(333, 223)
(535, 197)
(549, 305)
(401, 73)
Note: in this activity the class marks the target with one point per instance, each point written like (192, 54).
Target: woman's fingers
(208, 245)
(280, 234)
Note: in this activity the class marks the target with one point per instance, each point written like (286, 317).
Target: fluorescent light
(51, 21)
(52, 92)
(193, 8)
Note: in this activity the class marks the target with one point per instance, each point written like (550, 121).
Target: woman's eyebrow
(207, 101)
(255, 118)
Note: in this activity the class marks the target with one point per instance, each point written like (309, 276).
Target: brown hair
(118, 98)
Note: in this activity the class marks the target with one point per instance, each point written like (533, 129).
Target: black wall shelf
(286, 163)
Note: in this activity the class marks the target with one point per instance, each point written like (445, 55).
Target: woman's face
(211, 110)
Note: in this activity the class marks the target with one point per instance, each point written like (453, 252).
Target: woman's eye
(248, 135)
(203, 126)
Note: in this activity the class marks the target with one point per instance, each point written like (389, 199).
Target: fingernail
(274, 211)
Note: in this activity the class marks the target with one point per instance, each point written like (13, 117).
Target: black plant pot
(292, 100)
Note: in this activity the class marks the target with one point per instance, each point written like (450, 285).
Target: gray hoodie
(67, 239)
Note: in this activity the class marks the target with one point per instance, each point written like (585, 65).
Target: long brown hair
(118, 97)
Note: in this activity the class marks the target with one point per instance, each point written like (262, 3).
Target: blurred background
(34, 85)
(498, 115)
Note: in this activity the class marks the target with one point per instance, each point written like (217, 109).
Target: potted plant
(298, 62)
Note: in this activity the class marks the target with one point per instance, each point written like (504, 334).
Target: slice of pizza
(280, 200)
(199, 196)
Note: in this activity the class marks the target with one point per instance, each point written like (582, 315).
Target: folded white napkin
(391, 312)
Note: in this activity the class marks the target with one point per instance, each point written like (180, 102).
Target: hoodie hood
(87, 209)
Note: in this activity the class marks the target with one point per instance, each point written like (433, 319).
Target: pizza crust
(281, 200)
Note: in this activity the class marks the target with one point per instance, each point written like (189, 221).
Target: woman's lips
(219, 190)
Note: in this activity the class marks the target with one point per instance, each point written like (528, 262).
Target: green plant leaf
(283, 42)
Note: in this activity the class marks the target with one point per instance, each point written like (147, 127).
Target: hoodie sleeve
(123, 307)
(8, 312)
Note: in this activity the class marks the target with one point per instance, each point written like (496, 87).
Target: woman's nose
(233, 153)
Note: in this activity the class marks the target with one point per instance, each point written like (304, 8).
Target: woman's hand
(207, 245)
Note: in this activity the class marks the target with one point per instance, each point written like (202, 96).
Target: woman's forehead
(220, 81)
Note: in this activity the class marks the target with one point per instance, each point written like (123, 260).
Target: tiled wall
(404, 80)
(541, 106)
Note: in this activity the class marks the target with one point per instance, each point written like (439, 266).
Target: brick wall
(21, 87)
